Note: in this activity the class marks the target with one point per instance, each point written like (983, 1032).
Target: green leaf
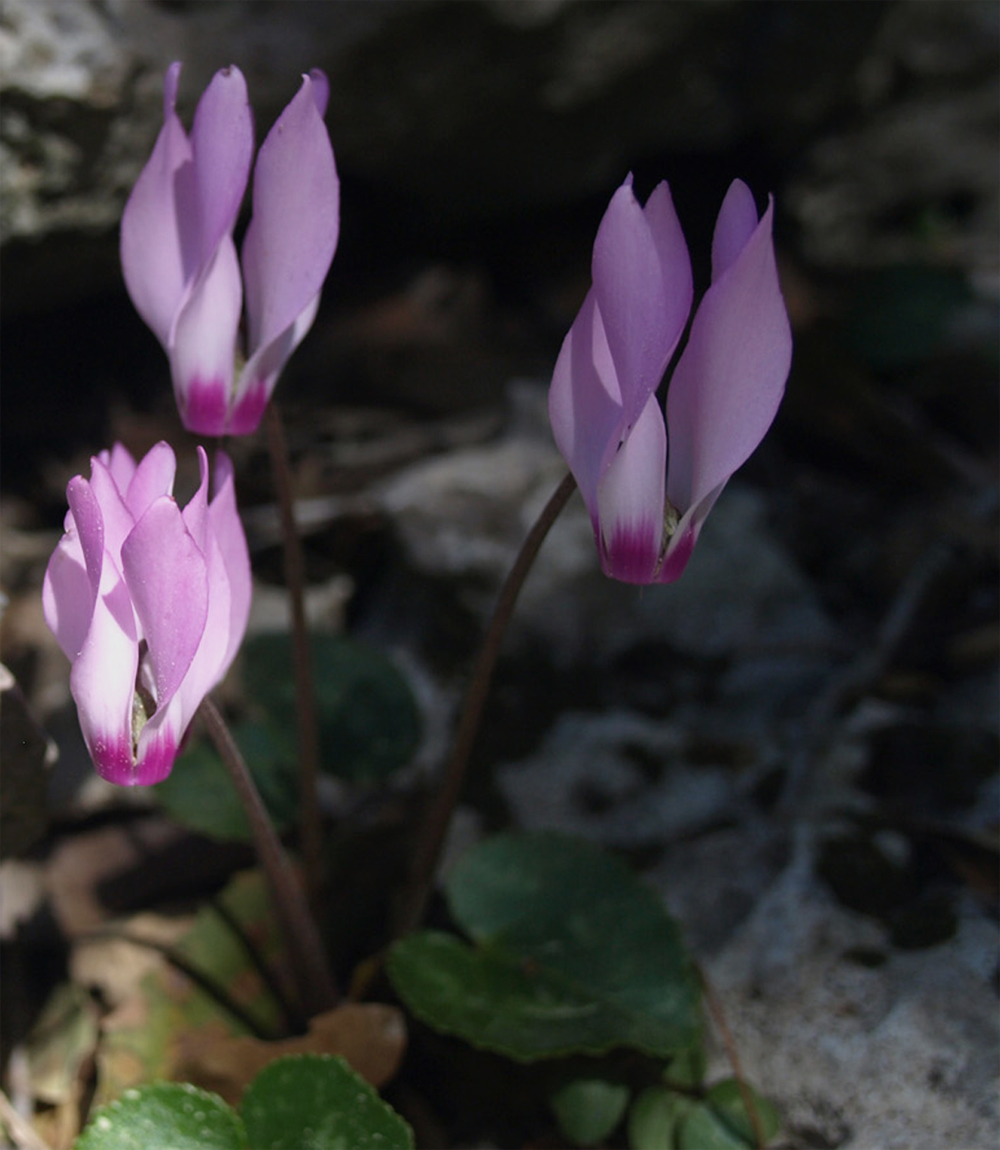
(369, 724)
(687, 1068)
(726, 1099)
(164, 1116)
(199, 794)
(588, 1109)
(703, 1129)
(655, 1117)
(575, 954)
(567, 905)
(493, 1000)
(317, 1102)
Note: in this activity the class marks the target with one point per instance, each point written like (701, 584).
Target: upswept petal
(116, 519)
(67, 596)
(153, 477)
(195, 514)
(201, 357)
(642, 294)
(228, 602)
(630, 501)
(293, 233)
(120, 463)
(730, 379)
(227, 530)
(103, 675)
(155, 236)
(73, 574)
(584, 400)
(675, 260)
(222, 147)
(167, 577)
(88, 518)
(102, 681)
(735, 224)
(320, 90)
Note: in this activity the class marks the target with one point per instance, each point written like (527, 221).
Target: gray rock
(911, 177)
(464, 515)
(900, 1054)
(591, 776)
(471, 111)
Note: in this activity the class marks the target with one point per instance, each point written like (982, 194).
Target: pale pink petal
(736, 223)
(116, 519)
(102, 681)
(67, 596)
(227, 530)
(120, 463)
(227, 579)
(585, 401)
(201, 358)
(103, 675)
(729, 382)
(292, 235)
(222, 146)
(153, 477)
(195, 514)
(630, 501)
(167, 577)
(157, 234)
(642, 285)
(73, 575)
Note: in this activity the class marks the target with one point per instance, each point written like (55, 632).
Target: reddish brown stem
(719, 1019)
(435, 825)
(305, 950)
(308, 732)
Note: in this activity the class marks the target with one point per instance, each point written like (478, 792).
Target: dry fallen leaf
(79, 864)
(370, 1035)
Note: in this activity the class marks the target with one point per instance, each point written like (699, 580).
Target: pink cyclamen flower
(179, 258)
(148, 602)
(721, 400)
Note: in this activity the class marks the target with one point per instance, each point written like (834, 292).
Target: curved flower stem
(309, 813)
(431, 835)
(305, 950)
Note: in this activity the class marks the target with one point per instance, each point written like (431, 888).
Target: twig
(435, 825)
(719, 1018)
(21, 1131)
(315, 984)
(309, 811)
(203, 981)
(851, 682)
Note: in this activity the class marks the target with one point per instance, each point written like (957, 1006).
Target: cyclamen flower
(179, 258)
(148, 602)
(723, 396)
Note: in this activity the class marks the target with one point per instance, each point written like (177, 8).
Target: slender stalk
(719, 1018)
(315, 984)
(435, 825)
(309, 812)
